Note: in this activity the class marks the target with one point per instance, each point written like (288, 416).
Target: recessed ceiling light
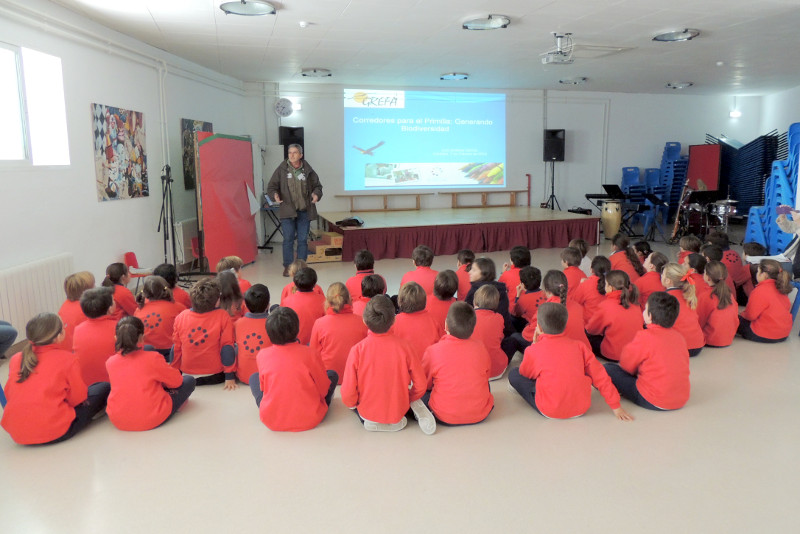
(316, 73)
(454, 76)
(248, 8)
(686, 34)
(735, 114)
(679, 85)
(303, 24)
(491, 22)
(578, 80)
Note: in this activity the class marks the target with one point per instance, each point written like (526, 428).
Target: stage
(395, 234)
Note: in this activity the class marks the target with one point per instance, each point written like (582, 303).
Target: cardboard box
(333, 239)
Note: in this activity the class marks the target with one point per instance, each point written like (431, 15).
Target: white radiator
(184, 232)
(32, 288)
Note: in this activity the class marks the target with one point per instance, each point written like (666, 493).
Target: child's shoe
(372, 426)
(424, 417)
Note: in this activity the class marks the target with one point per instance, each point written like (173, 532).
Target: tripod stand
(552, 201)
(167, 217)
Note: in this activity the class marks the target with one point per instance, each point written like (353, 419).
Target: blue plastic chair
(3, 395)
(652, 179)
(630, 176)
(796, 304)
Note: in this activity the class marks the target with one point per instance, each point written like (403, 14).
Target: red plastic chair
(134, 270)
(196, 252)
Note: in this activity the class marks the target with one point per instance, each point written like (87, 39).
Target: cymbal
(726, 202)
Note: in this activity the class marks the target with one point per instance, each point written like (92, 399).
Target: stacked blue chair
(780, 188)
(652, 178)
(630, 177)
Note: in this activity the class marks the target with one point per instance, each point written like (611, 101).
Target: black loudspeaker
(553, 145)
(288, 135)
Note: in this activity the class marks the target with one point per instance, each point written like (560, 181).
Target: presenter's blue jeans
(296, 228)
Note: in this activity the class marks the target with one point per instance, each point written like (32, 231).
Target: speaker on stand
(552, 151)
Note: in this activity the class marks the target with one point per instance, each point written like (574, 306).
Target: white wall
(49, 210)
(781, 110)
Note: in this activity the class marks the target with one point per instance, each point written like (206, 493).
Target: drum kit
(702, 218)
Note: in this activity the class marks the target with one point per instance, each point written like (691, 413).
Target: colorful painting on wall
(120, 160)
(189, 129)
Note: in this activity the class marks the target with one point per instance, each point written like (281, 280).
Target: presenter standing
(296, 187)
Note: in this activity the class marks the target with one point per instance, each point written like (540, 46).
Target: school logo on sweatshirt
(198, 336)
(253, 343)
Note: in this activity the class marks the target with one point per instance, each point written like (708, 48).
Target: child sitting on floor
(653, 370)
(583, 248)
(251, 332)
(464, 260)
(444, 289)
(676, 279)
(719, 313)
(338, 331)
(520, 257)
(650, 282)
(414, 323)
(93, 339)
(458, 372)
(618, 318)
(688, 244)
(370, 286)
(230, 295)
(483, 273)
(528, 297)
(422, 257)
(292, 389)
(592, 290)
(570, 259)
(203, 338)
(290, 288)
(157, 312)
(307, 303)
(117, 279)
(488, 329)
(768, 317)
(70, 312)
(145, 390)
(168, 272)
(383, 377)
(557, 372)
(624, 258)
(365, 266)
(234, 264)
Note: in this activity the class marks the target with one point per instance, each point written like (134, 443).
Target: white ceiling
(412, 42)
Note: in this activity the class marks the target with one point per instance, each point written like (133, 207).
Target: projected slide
(423, 139)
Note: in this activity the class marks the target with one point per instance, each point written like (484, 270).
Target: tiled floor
(727, 462)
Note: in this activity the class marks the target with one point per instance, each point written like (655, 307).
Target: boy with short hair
(70, 312)
(570, 261)
(653, 370)
(529, 297)
(292, 388)
(203, 338)
(370, 286)
(458, 370)
(464, 260)
(383, 377)
(234, 263)
(422, 256)
(251, 332)
(307, 303)
(520, 257)
(414, 323)
(557, 372)
(94, 340)
(444, 289)
(738, 272)
(488, 329)
(365, 266)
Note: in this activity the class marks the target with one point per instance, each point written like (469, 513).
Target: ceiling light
(679, 85)
(248, 8)
(686, 34)
(578, 80)
(316, 73)
(454, 76)
(491, 22)
(735, 114)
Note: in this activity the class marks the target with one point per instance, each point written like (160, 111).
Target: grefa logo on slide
(364, 98)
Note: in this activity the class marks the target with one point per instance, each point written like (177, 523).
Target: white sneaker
(498, 377)
(372, 426)
(424, 417)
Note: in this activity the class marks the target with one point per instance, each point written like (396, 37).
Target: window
(32, 107)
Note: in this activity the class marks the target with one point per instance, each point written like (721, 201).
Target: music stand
(651, 234)
(270, 207)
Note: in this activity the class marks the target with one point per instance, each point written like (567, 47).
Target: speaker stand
(552, 201)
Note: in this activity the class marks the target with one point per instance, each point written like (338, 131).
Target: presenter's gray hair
(295, 145)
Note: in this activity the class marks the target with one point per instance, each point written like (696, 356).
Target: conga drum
(611, 218)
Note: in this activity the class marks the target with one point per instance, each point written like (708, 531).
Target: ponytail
(630, 252)
(783, 280)
(42, 330)
(600, 267)
(337, 297)
(555, 283)
(718, 274)
(679, 276)
(155, 288)
(114, 274)
(129, 330)
(621, 282)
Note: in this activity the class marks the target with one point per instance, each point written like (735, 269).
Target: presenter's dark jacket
(279, 183)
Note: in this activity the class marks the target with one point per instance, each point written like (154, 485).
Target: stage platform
(395, 234)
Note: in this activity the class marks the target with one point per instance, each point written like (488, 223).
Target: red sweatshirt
(527, 305)
(158, 317)
(290, 289)
(647, 284)
(334, 335)
(125, 301)
(489, 332)
(620, 262)
(738, 272)
(616, 324)
(198, 340)
(688, 324)
(377, 377)
(71, 316)
(464, 284)
(294, 383)
(588, 297)
(458, 377)
(575, 324)
(244, 285)
(138, 400)
(180, 296)
(359, 305)
(720, 326)
(574, 277)
(251, 338)
(769, 311)
(659, 359)
(511, 279)
(93, 343)
(424, 276)
(354, 283)
(565, 370)
(438, 309)
(419, 329)
(42, 408)
(309, 307)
